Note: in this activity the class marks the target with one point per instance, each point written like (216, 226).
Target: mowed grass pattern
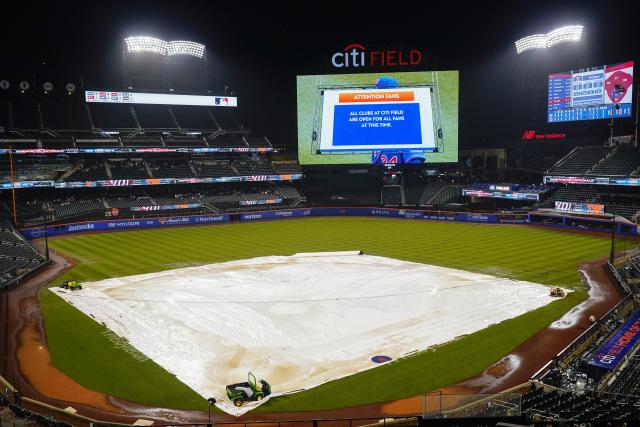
(518, 252)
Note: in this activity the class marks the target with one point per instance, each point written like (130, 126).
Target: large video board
(590, 94)
(374, 118)
(385, 119)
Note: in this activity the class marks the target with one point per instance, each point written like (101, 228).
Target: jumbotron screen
(378, 118)
(595, 93)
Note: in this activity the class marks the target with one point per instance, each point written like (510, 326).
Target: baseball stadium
(197, 228)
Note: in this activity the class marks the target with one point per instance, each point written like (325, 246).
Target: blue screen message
(372, 125)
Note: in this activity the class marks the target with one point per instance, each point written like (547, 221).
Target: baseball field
(84, 349)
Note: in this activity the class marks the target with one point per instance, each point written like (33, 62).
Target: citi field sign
(357, 56)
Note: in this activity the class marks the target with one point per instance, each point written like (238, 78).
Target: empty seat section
(193, 117)
(65, 112)
(154, 117)
(107, 116)
(128, 169)
(25, 114)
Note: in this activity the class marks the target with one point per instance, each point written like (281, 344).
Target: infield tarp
(294, 333)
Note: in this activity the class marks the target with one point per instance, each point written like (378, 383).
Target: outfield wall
(121, 224)
(490, 218)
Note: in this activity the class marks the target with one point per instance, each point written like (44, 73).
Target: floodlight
(146, 44)
(154, 45)
(569, 33)
(536, 41)
(184, 47)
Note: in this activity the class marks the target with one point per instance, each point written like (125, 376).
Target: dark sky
(258, 49)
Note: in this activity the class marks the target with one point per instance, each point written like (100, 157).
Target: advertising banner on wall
(495, 194)
(37, 232)
(120, 150)
(591, 180)
(123, 224)
(613, 350)
(116, 97)
(148, 181)
(584, 208)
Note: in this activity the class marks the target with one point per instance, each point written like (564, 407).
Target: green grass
(532, 254)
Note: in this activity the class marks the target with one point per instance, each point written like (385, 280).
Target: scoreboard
(373, 118)
(602, 92)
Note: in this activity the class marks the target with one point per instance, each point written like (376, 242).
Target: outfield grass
(518, 252)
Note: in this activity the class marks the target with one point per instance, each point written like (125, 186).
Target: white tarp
(296, 321)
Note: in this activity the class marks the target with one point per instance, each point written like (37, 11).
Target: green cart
(249, 391)
(72, 285)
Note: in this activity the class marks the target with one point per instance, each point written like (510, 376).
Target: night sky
(258, 50)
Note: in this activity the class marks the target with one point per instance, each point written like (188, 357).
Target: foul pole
(13, 187)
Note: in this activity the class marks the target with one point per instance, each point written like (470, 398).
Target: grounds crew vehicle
(249, 391)
(557, 292)
(72, 285)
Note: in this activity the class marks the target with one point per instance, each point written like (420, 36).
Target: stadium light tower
(566, 34)
(153, 63)
(184, 47)
(145, 44)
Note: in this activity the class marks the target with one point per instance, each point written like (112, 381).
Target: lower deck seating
(17, 257)
(391, 195)
(171, 169)
(579, 408)
(447, 194)
(71, 207)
